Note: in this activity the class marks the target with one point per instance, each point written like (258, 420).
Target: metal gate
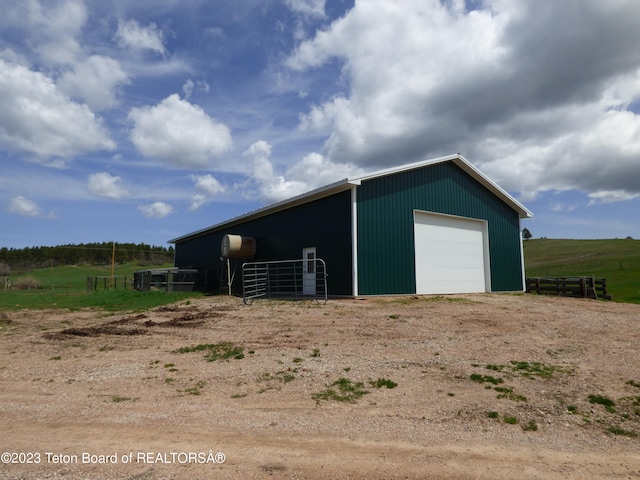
(287, 279)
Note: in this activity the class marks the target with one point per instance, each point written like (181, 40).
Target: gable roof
(348, 183)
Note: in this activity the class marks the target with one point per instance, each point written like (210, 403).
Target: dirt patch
(132, 325)
(450, 387)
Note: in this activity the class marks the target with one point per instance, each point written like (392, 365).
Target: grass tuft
(604, 401)
(215, 351)
(383, 382)
(347, 391)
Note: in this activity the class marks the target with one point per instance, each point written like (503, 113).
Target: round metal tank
(237, 246)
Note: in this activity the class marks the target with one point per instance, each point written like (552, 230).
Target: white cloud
(97, 81)
(316, 171)
(610, 196)
(198, 200)
(105, 185)
(307, 11)
(179, 133)
(208, 185)
(539, 105)
(156, 210)
(271, 187)
(313, 171)
(131, 35)
(39, 120)
(311, 8)
(54, 28)
(27, 208)
(208, 188)
(190, 87)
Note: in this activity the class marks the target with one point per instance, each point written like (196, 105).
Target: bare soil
(488, 387)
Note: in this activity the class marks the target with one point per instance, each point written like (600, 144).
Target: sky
(141, 121)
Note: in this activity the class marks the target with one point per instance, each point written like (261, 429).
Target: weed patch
(510, 420)
(195, 390)
(604, 401)
(633, 383)
(117, 399)
(272, 380)
(537, 369)
(624, 433)
(508, 393)
(345, 391)
(215, 351)
(383, 382)
(476, 377)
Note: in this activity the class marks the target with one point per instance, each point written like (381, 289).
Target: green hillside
(616, 260)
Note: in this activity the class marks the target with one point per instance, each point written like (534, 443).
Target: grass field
(66, 287)
(616, 260)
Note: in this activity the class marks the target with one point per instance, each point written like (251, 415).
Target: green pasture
(66, 287)
(616, 260)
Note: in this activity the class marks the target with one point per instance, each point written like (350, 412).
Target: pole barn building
(432, 227)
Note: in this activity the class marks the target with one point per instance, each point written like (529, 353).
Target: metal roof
(347, 184)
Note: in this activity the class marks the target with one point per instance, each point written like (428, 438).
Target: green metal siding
(324, 224)
(386, 252)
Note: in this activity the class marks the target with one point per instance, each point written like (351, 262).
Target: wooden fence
(106, 282)
(583, 287)
(169, 279)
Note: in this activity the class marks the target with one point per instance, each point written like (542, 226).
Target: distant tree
(526, 234)
(4, 269)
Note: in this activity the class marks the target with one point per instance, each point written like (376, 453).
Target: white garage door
(451, 254)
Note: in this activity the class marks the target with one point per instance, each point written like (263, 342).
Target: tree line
(29, 258)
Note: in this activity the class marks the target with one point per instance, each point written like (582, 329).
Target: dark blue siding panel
(324, 224)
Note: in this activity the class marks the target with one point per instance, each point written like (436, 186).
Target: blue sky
(133, 121)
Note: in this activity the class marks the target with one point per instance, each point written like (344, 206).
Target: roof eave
(348, 183)
(463, 163)
(332, 188)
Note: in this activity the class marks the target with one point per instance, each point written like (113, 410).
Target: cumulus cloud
(318, 171)
(313, 171)
(27, 208)
(97, 81)
(541, 96)
(208, 188)
(105, 185)
(135, 37)
(156, 210)
(54, 27)
(39, 120)
(179, 133)
(271, 187)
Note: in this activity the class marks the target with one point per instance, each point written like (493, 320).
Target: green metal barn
(432, 227)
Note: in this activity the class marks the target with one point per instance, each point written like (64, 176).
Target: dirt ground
(484, 387)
